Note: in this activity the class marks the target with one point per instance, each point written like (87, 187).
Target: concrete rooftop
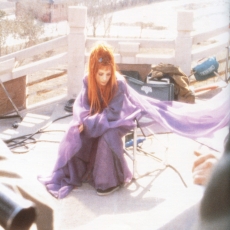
(159, 200)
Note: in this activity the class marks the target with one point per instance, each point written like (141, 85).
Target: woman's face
(103, 75)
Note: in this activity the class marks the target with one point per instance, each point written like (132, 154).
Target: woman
(104, 111)
(92, 149)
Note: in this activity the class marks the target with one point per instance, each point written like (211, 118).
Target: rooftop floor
(159, 200)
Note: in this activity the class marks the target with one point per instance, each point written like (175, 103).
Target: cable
(29, 136)
(23, 143)
(173, 168)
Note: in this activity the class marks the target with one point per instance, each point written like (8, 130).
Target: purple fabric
(96, 155)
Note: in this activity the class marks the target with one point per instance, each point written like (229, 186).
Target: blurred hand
(80, 128)
(202, 167)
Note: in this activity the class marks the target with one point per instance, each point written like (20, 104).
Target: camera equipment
(16, 213)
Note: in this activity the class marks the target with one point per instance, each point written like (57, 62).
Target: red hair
(101, 56)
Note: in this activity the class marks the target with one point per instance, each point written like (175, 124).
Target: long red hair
(101, 56)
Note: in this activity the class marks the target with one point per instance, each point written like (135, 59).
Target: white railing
(35, 66)
(128, 51)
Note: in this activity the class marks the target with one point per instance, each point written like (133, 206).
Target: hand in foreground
(80, 128)
(202, 167)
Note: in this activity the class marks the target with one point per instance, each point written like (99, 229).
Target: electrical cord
(17, 148)
(28, 137)
(26, 145)
(14, 143)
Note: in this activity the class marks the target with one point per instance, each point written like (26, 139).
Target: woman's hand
(202, 167)
(80, 128)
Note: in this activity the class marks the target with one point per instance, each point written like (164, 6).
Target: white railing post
(128, 51)
(183, 42)
(77, 17)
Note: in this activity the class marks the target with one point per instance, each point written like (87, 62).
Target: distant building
(54, 10)
(46, 10)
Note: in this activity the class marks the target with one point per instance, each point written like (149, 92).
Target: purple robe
(96, 155)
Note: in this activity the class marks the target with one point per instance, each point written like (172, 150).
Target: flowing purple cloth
(96, 154)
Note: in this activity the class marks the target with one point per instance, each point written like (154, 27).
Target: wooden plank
(14, 98)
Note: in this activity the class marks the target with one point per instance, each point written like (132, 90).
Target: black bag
(163, 92)
(131, 73)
